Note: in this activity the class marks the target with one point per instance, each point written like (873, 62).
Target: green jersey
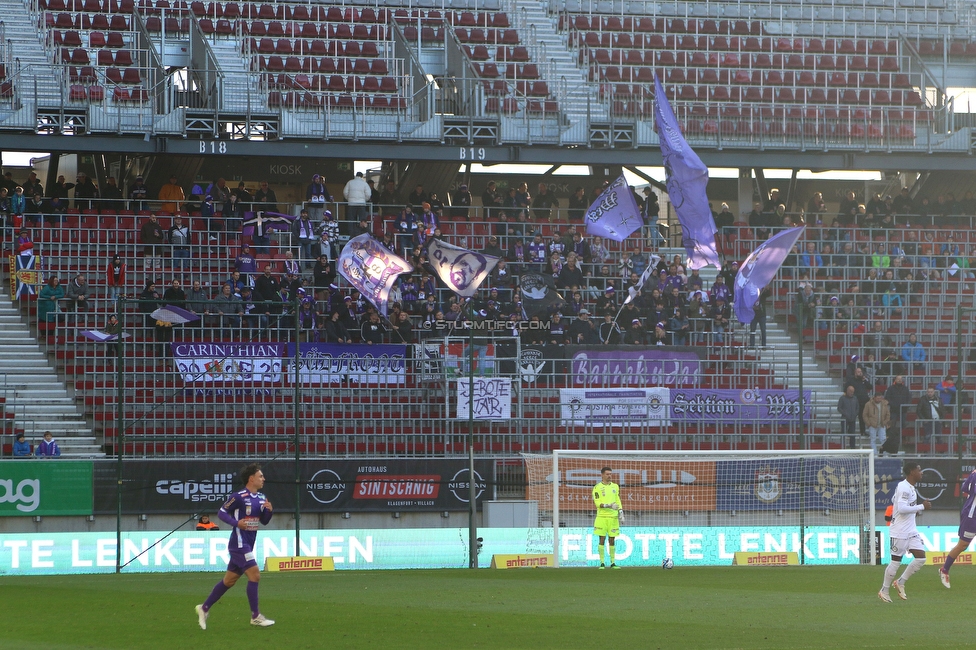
(604, 495)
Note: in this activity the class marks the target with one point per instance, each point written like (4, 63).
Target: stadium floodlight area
(702, 507)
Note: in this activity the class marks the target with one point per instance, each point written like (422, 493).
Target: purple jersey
(969, 488)
(240, 505)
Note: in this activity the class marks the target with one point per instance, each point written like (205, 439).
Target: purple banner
(622, 367)
(746, 404)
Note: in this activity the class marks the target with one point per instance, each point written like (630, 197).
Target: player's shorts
(900, 547)
(241, 562)
(967, 528)
(607, 526)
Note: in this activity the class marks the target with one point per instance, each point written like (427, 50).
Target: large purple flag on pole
(614, 214)
(687, 177)
(758, 270)
(372, 269)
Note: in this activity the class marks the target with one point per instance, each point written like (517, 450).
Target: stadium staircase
(32, 63)
(35, 399)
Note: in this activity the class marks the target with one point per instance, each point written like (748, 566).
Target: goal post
(702, 507)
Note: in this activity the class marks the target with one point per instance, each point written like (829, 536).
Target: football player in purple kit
(967, 526)
(243, 512)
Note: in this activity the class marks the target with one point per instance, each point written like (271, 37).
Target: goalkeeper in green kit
(609, 515)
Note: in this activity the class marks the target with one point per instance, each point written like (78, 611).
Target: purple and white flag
(632, 291)
(101, 337)
(461, 270)
(758, 270)
(261, 222)
(372, 269)
(614, 214)
(687, 177)
(175, 315)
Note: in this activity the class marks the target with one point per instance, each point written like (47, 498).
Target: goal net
(702, 507)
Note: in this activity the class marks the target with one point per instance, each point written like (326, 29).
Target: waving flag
(538, 293)
(372, 269)
(25, 276)
(632, 291)
(758, 270)
(687, 178)
(462, 270)
(614, 214)
(261, 222)
(175, 315)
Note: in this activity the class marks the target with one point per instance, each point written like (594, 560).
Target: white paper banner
(492, 398)
(615, 407)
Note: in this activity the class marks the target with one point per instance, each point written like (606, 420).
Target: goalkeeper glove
(621, 516)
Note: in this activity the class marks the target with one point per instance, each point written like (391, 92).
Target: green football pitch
(796, 607)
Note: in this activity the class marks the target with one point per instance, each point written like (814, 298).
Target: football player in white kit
(904, 535)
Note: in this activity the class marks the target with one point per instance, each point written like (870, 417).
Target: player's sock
(613, 554)
(890, 572)
(948, 563)
(601, 551)
(252, 598)
(910, 570)
(219, 590)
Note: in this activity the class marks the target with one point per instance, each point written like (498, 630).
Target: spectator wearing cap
(303, 236)
(660, 335)
(246, 264)
(607, 303)
(429, 222)
(493, 248)
(22, 448)
(316, 191)
(583, 330)
(635, 334)
(720, 315)
(461, 203)
(357, 194)
(171, 194)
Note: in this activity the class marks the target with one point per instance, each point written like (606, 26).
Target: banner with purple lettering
(372, 269)
(758, 270)
(218, 363)
(622, 366)
(615, 214)
(750, 404)
(321, 364)
(687, 177)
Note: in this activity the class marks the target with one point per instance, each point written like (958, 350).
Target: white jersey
(905, 506)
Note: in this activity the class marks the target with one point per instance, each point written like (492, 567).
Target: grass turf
(797, 607)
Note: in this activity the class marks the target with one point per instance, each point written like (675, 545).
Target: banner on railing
(429, 363)
(217, 363)
(614, 407)
(331, 363)
(201, 486)
(628, 366)
(492, 398)
(834, 483)
(663, 406)
(45, 488)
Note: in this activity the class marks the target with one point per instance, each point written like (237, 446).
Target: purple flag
(175, 315)
(461, 270)
(261, 222)
(614, 214)
(687, 177)
(758, 270)
(372, 269)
